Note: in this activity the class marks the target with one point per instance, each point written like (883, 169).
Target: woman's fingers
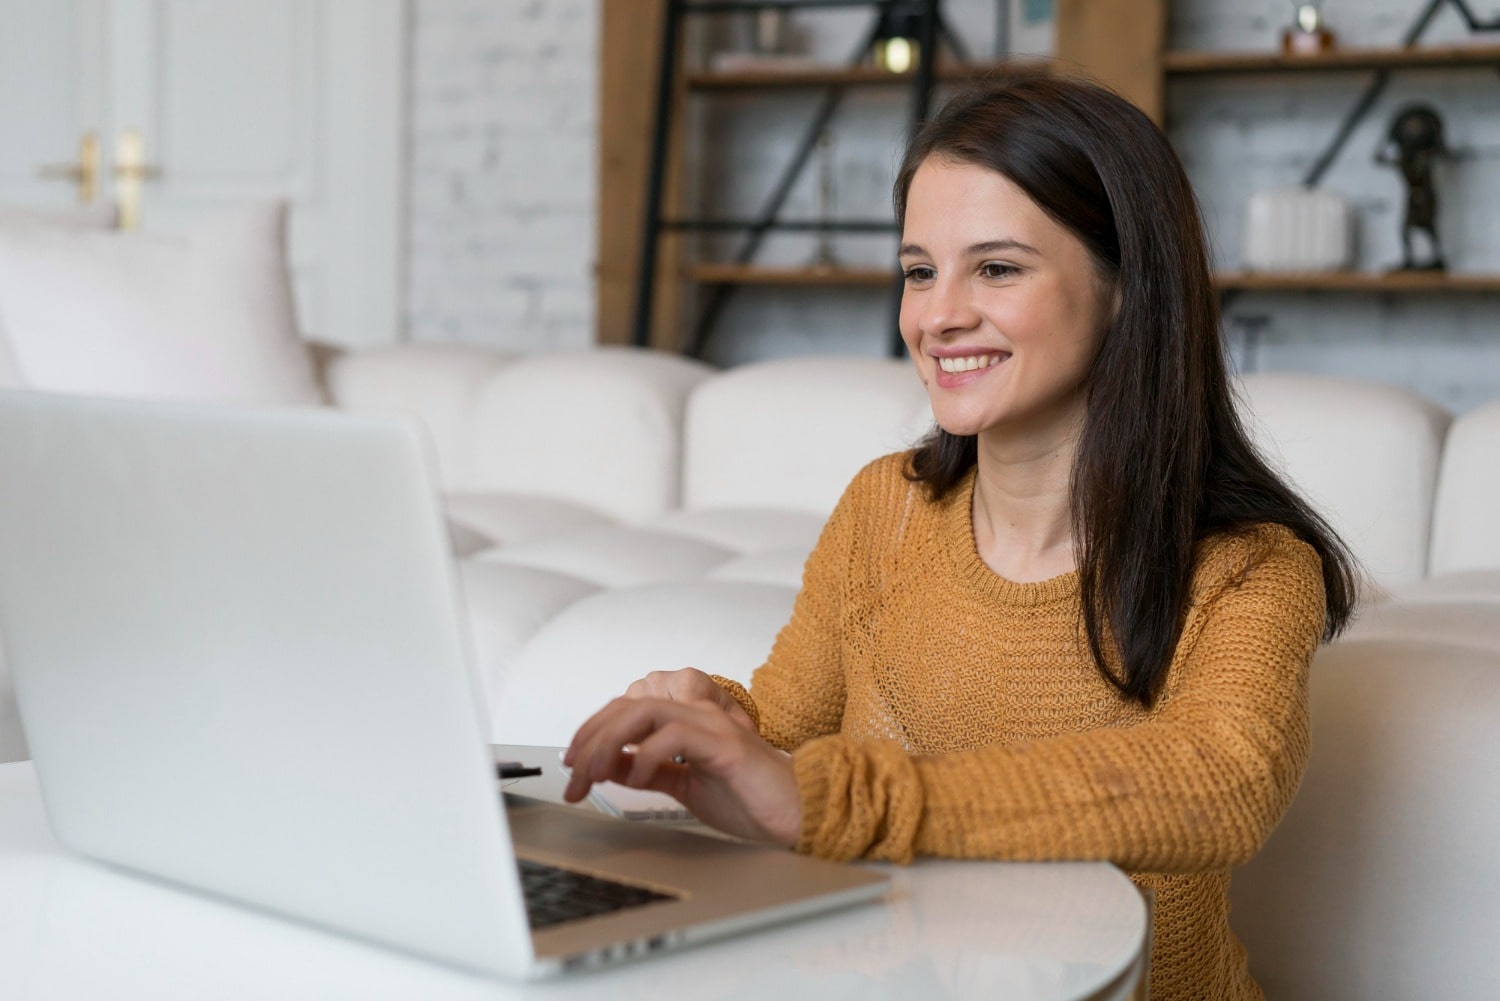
(694, 740)
(660, 731)
(732, 778)
(598, 748)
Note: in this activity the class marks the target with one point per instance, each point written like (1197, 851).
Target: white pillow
(82, 217)
(205, 314)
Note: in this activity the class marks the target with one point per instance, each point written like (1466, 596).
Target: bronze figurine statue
(1417, 137)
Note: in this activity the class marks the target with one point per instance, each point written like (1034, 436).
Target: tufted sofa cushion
(790, 434)
(435, 385)
(1466, 531)
(1381, 882)
(593, 649)
(602, 429)
(1366, 455)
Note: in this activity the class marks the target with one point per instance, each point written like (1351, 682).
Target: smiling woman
(1076, 621)
(1003, 311)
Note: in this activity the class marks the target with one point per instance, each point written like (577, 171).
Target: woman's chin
(962, 428)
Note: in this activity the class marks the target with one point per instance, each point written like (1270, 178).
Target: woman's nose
(948, 308)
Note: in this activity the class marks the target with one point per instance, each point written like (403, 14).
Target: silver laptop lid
(272, 591)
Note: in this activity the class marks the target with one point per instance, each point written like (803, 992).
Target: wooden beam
(1118, 43)
(629, 59)
(1334, 61)
(752, 274)
(1415, 282)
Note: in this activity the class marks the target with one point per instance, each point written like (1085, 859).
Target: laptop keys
(555, 895)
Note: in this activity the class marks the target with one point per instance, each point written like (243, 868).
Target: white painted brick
(501, 197)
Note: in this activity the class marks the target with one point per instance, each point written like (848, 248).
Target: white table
(72, 929)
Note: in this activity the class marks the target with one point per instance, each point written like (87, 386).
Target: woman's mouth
(968, 363)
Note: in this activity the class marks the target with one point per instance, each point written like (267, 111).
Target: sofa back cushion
(601, 428)
(1465, 529)
(435, 385)
(1364, 454)
(1379, 884)
(792, 433)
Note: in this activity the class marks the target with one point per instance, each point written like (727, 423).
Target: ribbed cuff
(820, 768)
(860, 799)
(738, 692)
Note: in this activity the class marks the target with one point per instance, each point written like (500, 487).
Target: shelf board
(833, 76)
(753, 274)
(1355, 281)
(1416, 57)
(1231, 281)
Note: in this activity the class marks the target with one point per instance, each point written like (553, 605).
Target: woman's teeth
(968, 363)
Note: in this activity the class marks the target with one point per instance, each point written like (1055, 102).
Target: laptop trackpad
(564, 834)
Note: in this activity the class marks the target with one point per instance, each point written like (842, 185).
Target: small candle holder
(1308, 35)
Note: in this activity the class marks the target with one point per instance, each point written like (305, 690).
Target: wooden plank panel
(1356, 281)
(628, 43)
(629, 58)
(824, 76)
(1117, 42)
(749, 274)
(1417, 57)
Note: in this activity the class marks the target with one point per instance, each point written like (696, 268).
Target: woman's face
(1003, 309)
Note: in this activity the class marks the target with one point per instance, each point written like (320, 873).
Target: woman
(1076, 622)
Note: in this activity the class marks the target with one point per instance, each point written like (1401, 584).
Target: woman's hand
(689, 685)
(698, 754)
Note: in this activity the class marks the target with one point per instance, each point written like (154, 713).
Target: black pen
(515, 770)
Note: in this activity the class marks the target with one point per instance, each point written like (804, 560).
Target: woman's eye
(919, 273)
(994, 269)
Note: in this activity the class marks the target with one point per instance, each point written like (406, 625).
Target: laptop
(235, 640)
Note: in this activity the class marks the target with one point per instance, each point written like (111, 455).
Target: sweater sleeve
(1198, 785)
(799, 691)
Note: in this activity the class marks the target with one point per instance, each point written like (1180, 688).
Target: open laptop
(235, 642)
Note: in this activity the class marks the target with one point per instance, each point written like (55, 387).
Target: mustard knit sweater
(935, 708)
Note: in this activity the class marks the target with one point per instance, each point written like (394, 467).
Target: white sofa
(618, 511)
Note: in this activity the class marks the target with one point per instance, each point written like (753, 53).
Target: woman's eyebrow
(987, 247)
(996, 246)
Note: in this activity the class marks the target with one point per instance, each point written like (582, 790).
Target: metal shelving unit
(719, 280)
(1383, 63)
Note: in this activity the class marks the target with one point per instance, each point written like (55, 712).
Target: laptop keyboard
(556, 895)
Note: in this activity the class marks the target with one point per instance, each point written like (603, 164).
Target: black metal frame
(1255, 323)
(932, 27)
(1382, 79)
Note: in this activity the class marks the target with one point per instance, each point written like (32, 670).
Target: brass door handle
(84, 173)
(131, 173)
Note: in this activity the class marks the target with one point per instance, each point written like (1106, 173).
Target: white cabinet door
(51, 95)
(234, 101)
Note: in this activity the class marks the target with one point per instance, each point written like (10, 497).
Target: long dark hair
(1163, 460)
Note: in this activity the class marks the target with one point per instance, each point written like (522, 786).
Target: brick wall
(502, 175)
(502, 195)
